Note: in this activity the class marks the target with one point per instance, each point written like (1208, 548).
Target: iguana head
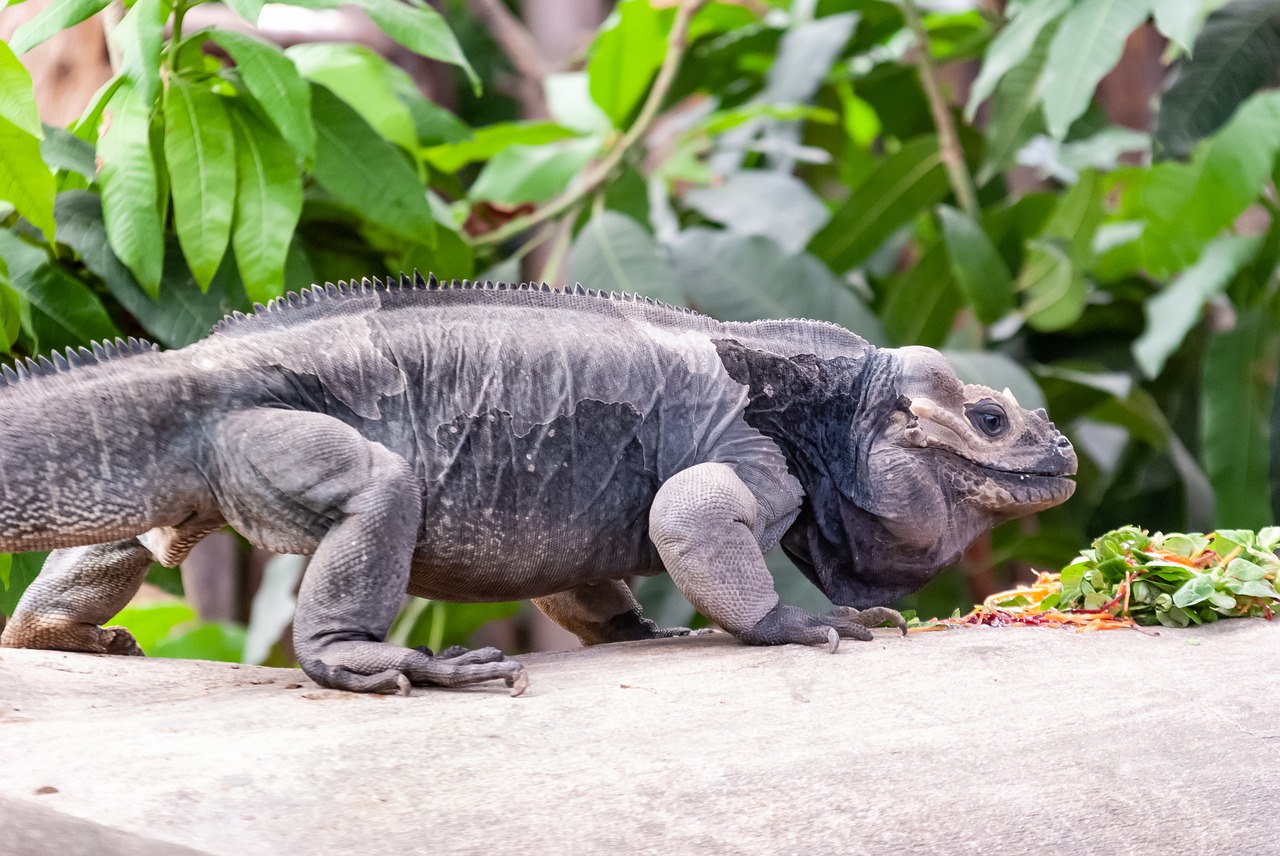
(934, 463)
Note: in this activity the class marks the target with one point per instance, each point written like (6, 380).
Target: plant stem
(179, 12)
(602, 169)
(948, 140)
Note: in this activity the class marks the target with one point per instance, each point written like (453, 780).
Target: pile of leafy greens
(1175, 579)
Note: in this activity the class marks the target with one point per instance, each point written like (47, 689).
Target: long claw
(833, 639)
(403, 683)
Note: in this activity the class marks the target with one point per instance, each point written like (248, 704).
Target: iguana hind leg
(307, 482)
(704, 522)
(600, 612)
(78, 589)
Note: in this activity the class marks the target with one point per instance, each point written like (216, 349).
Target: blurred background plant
(1072, 198)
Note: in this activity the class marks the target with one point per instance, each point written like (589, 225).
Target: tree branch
(598, 173)
(520, 47)
(948, 140)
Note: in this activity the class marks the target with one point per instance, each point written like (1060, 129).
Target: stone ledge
(972, 741)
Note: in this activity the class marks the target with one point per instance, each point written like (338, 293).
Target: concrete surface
(971, 741)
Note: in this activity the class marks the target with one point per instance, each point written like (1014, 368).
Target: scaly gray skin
(475, 443)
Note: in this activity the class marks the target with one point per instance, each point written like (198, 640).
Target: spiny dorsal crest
(56, 363)
(343, 295)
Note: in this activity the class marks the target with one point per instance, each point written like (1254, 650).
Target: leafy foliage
(749, 160)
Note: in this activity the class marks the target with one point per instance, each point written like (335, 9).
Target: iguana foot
(377, 667)
(27, 631)
(789, 624)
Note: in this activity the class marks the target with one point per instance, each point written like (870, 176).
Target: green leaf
(1178, 20)
(25, 179)
(1236, 54)
(1184, 206)
(905, 183)
(980, 272)
(1055, 289)
(268, 204)
(87, 126)
(214, 640)
(129, 188)
(1173, 312)
(492, 139)
(200, 155)
(1088, 44)
(53, 19)
(250, 10)
(363, 79)
(6, 562)
(763, 202)
(69, 313)
(63, 150)
(1076, 217)
(138, 38)
(10, 310)
(152, 622)
(17, 101)
(615, 253)
(626, 54)
(1195, 590)
(1244, 570)
(1237, 386)
(274, 82)
(422, 30)
(750, 277)
(532, 173)
(1012, 46)
(920, 304)
(1015, 112)
(365, 172)
(1253, 588)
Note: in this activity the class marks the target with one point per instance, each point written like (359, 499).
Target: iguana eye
(989, 418)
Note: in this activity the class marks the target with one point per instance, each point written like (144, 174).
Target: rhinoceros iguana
(482, 442)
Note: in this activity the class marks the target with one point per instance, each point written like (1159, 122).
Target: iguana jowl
(472, 442)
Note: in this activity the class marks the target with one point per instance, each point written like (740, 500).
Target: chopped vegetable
(1130, 578)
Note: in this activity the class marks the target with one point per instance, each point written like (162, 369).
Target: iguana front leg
(78, 589)
(601, 612)
(704, 523)
(307, 482)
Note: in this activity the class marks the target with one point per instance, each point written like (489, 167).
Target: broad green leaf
(1015, 112)
(750, 277)
(1087, 45)
(268, 204)
(138, 38)
(763, 202)
(69, 313)
(25, 179)
(53, 19)
(365, 172)
(898, 189)
(151, 622)
(200, 155)
(1012, 46)
(274, 82)
(219, 641)
(626, 54)
(250, 10)
(979, 271)
(10, 310)
(129, 189)
(6, 562)
(492, 139)
(1178, 20)
(422, 30)
(569, 103)
(1236, 54)
(1197, 589)
(17, 101)
(615, 253)
(532, 173)
(363, 79)
(87, 126)
(1055, 290)
(1237, 386)
(1076, 216)
(1173, 312)
(920, 304)
(63, 150)
(1184, 206)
